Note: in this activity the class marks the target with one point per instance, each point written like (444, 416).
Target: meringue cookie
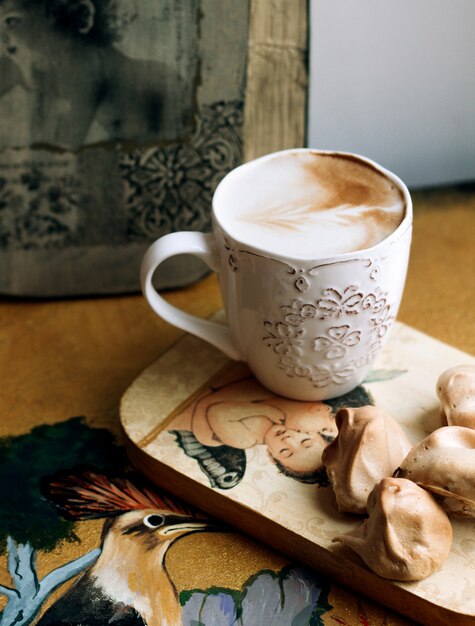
(444, 463)
(407, 535)
(369, 446)
(456, 391)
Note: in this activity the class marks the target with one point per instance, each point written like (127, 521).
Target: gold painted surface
(60, 359)
(225, 560)
(439, 298)
(64, 358)
(351, 610)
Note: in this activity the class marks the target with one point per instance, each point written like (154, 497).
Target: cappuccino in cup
(311, 204)
(311, 251)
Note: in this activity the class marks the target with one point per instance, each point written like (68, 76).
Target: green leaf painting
(26, 516)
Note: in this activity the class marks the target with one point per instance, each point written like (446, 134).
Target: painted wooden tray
(260, 490)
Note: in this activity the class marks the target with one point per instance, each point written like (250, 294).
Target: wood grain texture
(277, 77)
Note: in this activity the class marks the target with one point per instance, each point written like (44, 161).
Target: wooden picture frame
(78, 209)
(275, 115)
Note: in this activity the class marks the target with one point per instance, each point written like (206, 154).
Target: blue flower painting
(293, 597)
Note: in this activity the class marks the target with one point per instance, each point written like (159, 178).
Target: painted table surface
(64, 366)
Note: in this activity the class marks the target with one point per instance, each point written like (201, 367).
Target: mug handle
(203, 246)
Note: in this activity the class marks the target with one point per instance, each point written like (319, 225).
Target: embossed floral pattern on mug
(345, 346)
(383, 321)
(283, 337)
(337, 341)
(325, 375)
(336, 304)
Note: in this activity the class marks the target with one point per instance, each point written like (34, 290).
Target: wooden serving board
(246, 489)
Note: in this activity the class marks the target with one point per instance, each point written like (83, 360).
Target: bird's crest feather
(85, 493)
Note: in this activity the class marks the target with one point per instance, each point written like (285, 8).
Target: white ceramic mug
(308, 329)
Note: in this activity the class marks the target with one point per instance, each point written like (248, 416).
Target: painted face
(298, 451)
(27, 36)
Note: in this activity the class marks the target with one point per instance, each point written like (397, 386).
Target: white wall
(394, 80)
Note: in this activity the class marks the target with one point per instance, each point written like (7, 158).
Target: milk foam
(308, 205)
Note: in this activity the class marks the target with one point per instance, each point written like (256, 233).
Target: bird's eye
(154, 520)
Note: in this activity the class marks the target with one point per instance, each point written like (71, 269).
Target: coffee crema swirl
(308, 204)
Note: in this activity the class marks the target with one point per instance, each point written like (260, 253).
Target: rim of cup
(397, 233)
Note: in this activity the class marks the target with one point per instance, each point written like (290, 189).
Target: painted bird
(129, 584)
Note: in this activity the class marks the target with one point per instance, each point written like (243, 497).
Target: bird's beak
(187, 527)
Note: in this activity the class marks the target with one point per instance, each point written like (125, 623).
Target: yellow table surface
(64, 358)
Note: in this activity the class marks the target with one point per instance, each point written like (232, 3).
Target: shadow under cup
(308, 323)
(309, 328)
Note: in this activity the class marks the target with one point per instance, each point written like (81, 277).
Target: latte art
(314, 204)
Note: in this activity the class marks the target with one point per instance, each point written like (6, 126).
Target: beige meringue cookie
(444, 463)
(456, 391)
(407, 535)
(369, 446)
